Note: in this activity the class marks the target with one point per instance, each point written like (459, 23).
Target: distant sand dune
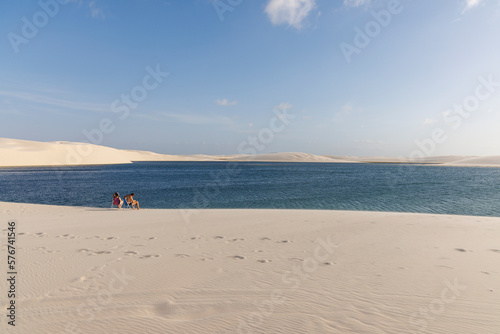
(16, 152)
(285, 157)
(493, 161)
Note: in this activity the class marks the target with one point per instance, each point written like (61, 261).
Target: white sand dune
(90, 270)
(15, 152)
(492, 161)
(369, 159)
(287, 157)
(449, 160)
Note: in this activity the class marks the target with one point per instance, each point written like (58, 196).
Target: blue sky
(341, 81)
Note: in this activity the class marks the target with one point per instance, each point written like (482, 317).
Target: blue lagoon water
(373, 187)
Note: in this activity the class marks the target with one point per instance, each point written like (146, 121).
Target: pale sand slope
(15, 152)
(465, 161)
(493, 161)
(288, 157)
(426, 160)
(87, 270)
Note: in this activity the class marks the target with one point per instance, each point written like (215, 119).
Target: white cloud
(429, 121)
(225, 102)
(356, 3)
(471, 4)
(291, 12)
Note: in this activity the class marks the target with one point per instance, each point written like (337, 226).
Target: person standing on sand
(131, 201)
(117, 201)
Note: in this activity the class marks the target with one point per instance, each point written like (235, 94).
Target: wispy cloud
(428, 121)
(225, 102)
(45, 100)
(291, 12)
(369, 141)
(469, 4)
(347, 108)
(356, 3)
(345, 111)
(95, 11)
(283, 106)
(196, 119)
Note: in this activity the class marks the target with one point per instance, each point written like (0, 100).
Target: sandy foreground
(91, 270)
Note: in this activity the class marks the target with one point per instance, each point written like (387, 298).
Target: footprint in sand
(237, 257)
(40, 234)
(131, 253)
(461, 250)
(328, 263)
(284, 241)
(98, 268)
(445, 267)
(100, 252)
(152, 238)
(206, 259)
(218, 237)
(238, 239)
(296, 259)
(264, 238)
(264, 261)
(149, 256)
(82, 279)
(495, 250)
(182, 255)
(83, 250)
(66, 236)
